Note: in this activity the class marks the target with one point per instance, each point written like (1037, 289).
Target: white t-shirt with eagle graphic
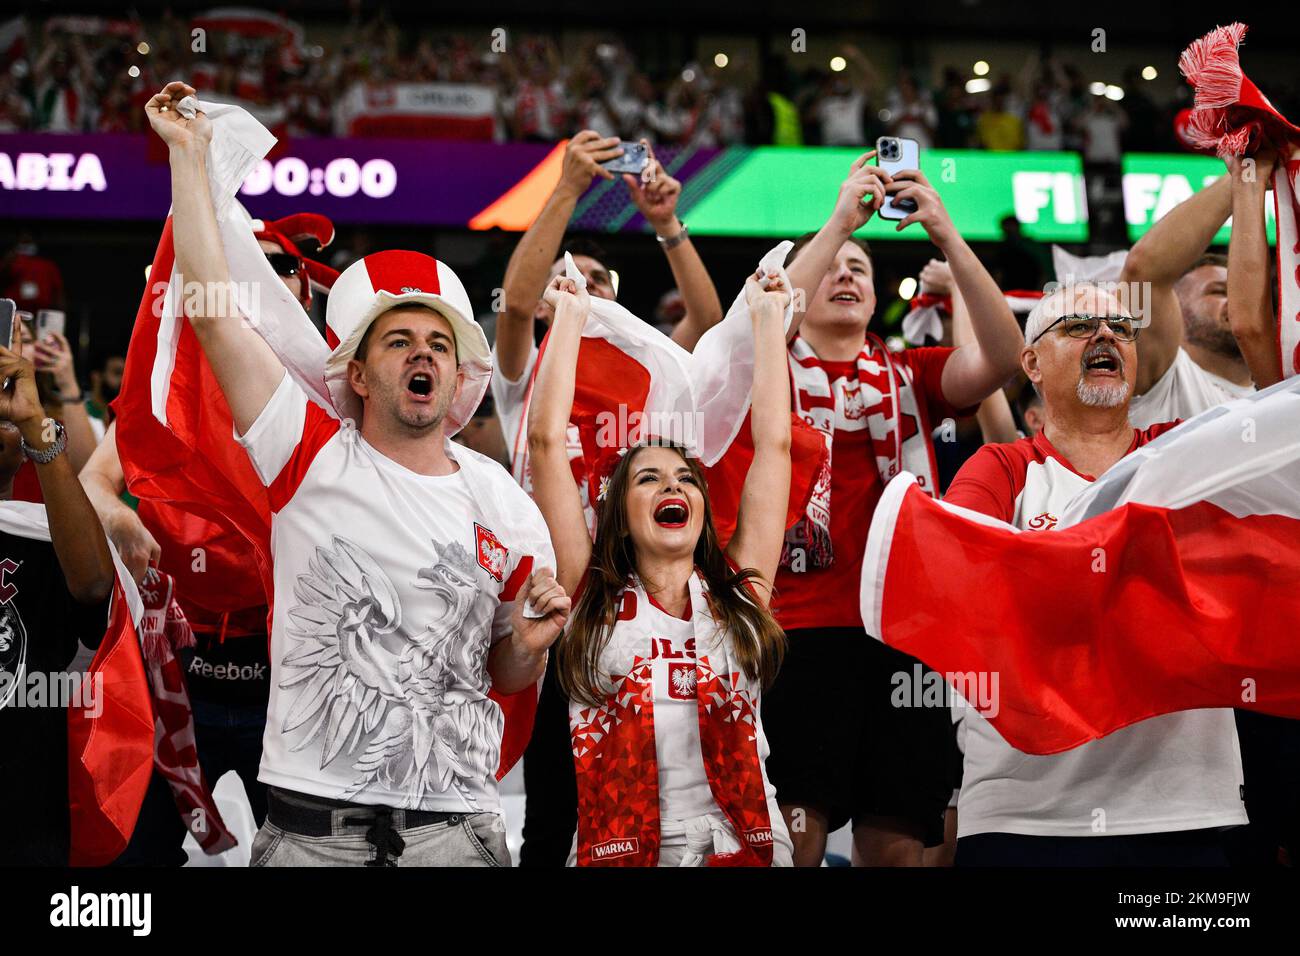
(1179, 771)
(390, 588)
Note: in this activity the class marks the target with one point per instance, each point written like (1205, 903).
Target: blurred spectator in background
(838, 106)
(1044, 123)
(105, 383)
(998, 127)
(956, 129)
(911, 111)
(31, 280)
(64, 78)
(1101, 124)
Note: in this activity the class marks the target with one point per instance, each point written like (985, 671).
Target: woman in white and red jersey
(670, 639)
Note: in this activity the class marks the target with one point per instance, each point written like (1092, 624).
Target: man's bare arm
(244, 365)
(529, 267)
(851, 212)
(104, 482)
(1158, 260)
(1250, 303)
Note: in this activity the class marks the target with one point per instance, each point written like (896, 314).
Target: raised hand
(655, 193)
(564, 293)
(930, 211)
(936, 277)
(53, 354)
(853, 207)
(19, 403)
(582, 159)
(176, 130)
(547, 597)
(766, 291)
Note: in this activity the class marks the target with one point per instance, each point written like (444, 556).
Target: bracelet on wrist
(672, 242)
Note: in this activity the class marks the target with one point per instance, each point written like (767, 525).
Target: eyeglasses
(1085, 327)
(284, 264)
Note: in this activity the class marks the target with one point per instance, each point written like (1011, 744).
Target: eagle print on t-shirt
(401, 700)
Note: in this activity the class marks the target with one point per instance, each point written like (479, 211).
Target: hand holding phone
(895, 154)
(50, 321)
(911, 184)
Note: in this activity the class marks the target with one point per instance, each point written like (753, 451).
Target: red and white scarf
(886, 400)
(163, 631)
(1228, 116)
(614, 745)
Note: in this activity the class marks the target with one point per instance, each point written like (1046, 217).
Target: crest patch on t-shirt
(492, 553)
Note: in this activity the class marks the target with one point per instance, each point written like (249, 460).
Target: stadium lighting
(907, 288)
(1149, 73)
(720, 60)
(1114, 92)
(1097, 89)
(981, 85)
(838, 63)
(688, 75)
(613, 280)
(133, 72)
(142, 48)
(981, 68)
(146, 271)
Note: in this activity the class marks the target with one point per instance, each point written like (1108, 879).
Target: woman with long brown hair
(670, 639)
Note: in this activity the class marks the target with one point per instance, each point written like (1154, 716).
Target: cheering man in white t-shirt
(1154, 793)
(397, 556)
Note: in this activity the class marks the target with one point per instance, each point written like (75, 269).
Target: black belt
(311, 816)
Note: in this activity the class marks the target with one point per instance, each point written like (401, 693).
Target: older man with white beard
(1154, 793)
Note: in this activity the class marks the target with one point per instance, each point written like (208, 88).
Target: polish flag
(1171, 583)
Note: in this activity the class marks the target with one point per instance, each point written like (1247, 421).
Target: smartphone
(8, 315)
(894, 154)
(50, 320)
(8, 319)
(634, 159)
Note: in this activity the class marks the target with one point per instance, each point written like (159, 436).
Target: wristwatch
(46, 455)
(674, 241)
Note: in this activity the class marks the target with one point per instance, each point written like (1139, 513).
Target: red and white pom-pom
(1212, 65)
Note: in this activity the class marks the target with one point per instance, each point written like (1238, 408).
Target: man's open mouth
(421, 383)
(672, 513)
(1102, 361)
(845, 297)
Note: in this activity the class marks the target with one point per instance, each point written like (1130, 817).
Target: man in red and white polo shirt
(397, 555)
(1154, 793)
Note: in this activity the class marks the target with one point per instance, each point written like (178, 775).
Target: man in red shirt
(1155, 793)
(840, 751)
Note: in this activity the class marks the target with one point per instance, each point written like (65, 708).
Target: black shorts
(1176, 848)
(840, 746)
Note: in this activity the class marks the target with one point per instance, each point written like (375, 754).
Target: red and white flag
(1171, 583)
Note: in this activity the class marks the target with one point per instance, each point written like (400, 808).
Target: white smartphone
(50, 320)
(893, 154)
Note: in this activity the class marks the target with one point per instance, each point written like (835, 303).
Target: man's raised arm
(1161, 257)
(655, 195)
(529, 268)
(1250, 301)
(246, 368)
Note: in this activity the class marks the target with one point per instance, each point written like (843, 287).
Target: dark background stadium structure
(906, 69)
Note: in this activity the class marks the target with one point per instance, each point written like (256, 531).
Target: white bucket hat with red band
(385, 280)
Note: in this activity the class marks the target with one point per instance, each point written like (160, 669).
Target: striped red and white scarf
(886, 399)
